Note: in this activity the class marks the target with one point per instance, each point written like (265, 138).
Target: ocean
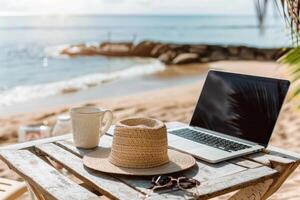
(29, 68)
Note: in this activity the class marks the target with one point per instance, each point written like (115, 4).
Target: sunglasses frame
(170, 184)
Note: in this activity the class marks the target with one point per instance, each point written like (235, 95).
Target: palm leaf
(259, 97)
(290, 10)
(297, 92)
(292, 60)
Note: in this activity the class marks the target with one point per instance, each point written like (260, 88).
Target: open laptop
(235, 115)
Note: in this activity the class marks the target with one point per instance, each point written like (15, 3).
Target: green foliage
(292, 60)
(290, 11)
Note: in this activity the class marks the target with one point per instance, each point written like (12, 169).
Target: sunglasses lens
(161, 180)
(187, 183)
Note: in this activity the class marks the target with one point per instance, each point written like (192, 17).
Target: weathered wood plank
(283, 153)
(226, 184)
(245, 163)
(267, 159)
(29, 144)
(202, 172)
(206, 173)
(233, 182)
(32, 143)
(44, 177)
(105, 141)
(102, 182)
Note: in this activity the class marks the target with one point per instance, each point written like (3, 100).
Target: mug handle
(108, 123)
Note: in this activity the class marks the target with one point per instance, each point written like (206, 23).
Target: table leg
(285, 171)
(265, 189)
(254, 192)
(35, 194)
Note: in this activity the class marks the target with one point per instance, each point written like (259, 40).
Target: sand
(175, 104)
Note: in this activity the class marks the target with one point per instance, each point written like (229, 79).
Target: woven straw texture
(139, 143)
(98, 160)
(139, 147)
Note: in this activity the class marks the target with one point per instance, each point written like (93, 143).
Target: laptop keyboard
(210, 140)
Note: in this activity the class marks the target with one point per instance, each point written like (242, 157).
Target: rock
(233, 50)
(218, 55)
(204, 59)
(260, 58)
(127, 45)
(247, 54)
(233, 58)
(115, 47)
(199, 49)
(179, 47)
(144, 49)
(270, 54)
(167, 57)
(80, 50)
(175, 53)
(185, 58)
(159, 49)
(73, 50)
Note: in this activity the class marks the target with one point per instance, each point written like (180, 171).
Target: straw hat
(139, 147)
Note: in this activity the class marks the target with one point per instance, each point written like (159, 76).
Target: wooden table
(256, 176)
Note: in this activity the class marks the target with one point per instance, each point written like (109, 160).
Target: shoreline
(113, 89)
(172, 104)
(173, 59)
(172, 76)
(177, 80)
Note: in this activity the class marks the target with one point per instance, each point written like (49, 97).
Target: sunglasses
(163, 182)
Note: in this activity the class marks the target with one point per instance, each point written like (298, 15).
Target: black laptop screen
(240, 105)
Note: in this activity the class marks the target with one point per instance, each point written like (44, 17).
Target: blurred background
(34, 32)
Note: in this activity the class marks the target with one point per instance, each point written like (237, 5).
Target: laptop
(235, 115)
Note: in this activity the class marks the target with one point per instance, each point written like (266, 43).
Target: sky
(63, 7)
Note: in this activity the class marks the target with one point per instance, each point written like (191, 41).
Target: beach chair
(10, 189)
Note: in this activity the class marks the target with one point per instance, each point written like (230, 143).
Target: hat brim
(99, 160)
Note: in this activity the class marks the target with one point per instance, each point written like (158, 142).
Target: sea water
(29, 69)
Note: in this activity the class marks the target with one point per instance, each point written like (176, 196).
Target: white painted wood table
(256, 176)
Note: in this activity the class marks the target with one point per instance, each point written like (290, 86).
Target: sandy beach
(174, 102)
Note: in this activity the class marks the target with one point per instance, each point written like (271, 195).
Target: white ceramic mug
(88, 125)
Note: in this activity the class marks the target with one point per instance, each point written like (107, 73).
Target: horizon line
(23, 14)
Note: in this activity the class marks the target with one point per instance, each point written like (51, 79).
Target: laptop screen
(239, 105)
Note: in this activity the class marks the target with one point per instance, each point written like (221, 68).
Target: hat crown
(139, 143)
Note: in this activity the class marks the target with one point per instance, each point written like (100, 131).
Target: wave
(25, 93)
